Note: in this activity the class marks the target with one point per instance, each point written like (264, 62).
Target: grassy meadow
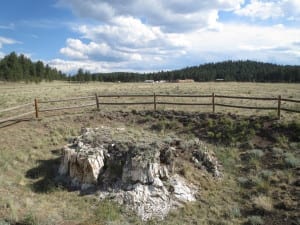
(250, 192)
(12, 94)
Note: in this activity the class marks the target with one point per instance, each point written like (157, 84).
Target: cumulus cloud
(7, 41)
(242, 41)
(150, 35)
(173, 15)
(289, 9)
(278, 44)
(125, 41)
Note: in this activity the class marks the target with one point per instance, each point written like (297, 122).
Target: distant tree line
(15, 67)
(250, 71)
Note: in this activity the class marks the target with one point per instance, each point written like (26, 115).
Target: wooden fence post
(36, 108)
(154, 101)
(213, 102)
(279, 106)
(97, 101)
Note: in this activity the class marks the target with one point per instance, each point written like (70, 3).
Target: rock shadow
(45, 174)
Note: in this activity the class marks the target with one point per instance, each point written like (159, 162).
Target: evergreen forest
(15, 67)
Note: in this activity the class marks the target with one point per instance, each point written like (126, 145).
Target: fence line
(15, 107)
(16, 117)
(155, 102)
(67, 99)
(246, 107)
(242, 97)
(62, 108)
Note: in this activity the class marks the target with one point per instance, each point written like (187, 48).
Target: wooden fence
(153, 99)
(19, 116)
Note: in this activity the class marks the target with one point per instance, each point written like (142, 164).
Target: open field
(261, 169)
(13, 94)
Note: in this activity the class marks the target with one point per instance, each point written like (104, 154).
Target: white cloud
(101, 51)
(266, 9)
(173, 15)
(7, 41)
(125, 41)
(278, 44)
(241, 41)
(150, 35)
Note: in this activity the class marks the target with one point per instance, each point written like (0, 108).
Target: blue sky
(150, 35)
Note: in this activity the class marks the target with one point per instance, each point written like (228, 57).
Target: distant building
(220, 79)
(149, 81)
(185, 81)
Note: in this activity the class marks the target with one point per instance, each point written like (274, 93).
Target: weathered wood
(97, 101)
(213, 102)
(290, 110)
(127, 103)
(62, 108)
(16, 117)
(154, 99)
(184, 96)
(125, 95)
(67, 99)
(242, 97)
(181, 103)
(245, 107)
(278, 107)
(290, 100)
(36, 107)
(15, 107)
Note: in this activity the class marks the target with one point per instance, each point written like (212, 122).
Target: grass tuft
(255, 220)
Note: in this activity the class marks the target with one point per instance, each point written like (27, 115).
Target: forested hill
(21, 68)
(15, 67)
(229, 71)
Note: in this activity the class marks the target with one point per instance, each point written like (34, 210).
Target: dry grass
(12, 94)
(263, 202)
(27, 158)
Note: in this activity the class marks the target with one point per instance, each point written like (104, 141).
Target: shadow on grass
(45, 174)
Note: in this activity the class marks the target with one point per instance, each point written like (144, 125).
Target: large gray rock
(137, 174)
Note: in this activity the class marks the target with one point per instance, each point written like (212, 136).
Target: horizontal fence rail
(246, 107)
(16, 117)
(15, 107)
(62, 108)
(157, 99)
(242, 97)
(67, 99)
(290, 100)
(125, 95)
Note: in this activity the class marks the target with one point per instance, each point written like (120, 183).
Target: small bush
(277, 151)
(256, 153)
(290, 160)
(236, 212)
(263, 202)
(255, 220)
(282, 140)
(261, 185)
(266, 174)
(244, 182)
